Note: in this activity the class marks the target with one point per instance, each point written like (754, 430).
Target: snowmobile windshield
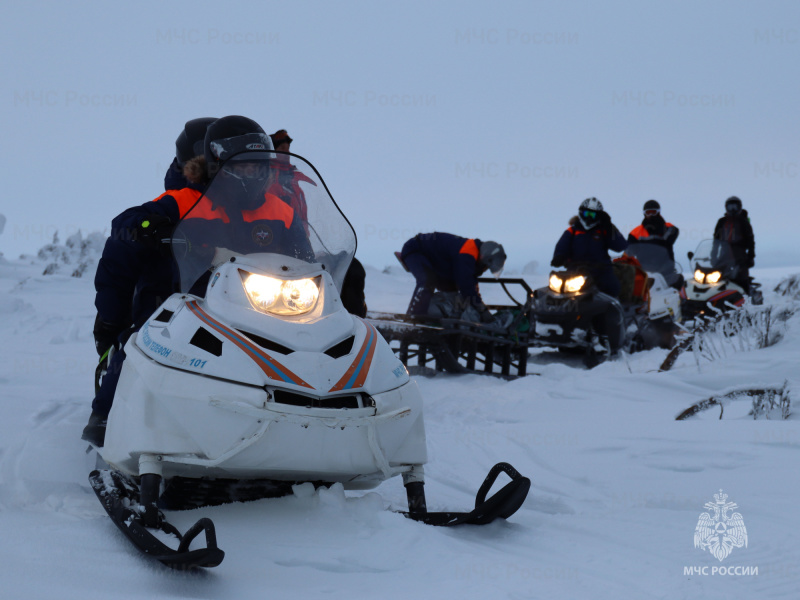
(259, 204)
(713, 255)
(653, 258)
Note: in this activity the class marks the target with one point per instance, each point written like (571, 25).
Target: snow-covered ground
(618, 483)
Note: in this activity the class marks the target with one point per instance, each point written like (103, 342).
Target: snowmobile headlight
(713, 277)
(279, 296)
(300, 295)
(262, 291)
(699, 276)
(574, 284)
(555, 283)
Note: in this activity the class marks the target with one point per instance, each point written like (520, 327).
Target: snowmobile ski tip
(119, 496)
(502, 504)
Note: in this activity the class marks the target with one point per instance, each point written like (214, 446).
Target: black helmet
(493, 257)
(650, 206)
(230, 135)
(733, 205)
(190, 141)
(236, 148)
(589, 212)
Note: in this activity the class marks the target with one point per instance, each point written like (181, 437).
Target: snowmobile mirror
(690, 255)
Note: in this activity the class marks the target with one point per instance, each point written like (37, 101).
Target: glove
(154, 231)
(671, 234)
(486, 316)
(558, 261)
(751, 262)
(605, 220)
(105, 335)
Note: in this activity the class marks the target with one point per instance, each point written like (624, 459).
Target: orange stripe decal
(357, 372)
(271, 367)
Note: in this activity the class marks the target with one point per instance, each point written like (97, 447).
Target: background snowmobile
(255, 377)
(713, 288)
(454, 340)
(572, 315)
(655, 259)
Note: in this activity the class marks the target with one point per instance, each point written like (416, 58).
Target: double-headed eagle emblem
(720, 533)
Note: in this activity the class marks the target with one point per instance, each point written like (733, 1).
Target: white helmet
(589, 212)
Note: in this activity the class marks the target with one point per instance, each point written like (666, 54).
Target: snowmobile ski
(120, 499)
(502, 504)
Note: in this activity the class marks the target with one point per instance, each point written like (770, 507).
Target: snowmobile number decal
(154, 346)
(169, 353)
(271, 367)
(356, 374)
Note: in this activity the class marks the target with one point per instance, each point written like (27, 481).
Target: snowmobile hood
(323, 350)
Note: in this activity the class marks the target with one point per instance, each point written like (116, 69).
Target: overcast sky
(485, 121)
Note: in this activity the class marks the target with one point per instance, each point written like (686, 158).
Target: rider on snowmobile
(452, 264)
(134, 274)
(133, 277)
(588, 239)
(586, 243)
(654, 229)
(141, 234)
(734, 227)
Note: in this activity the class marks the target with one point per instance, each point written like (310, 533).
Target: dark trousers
(422, 271)
(742, 277)
(606, 281)
(611, 322)
(105, 397)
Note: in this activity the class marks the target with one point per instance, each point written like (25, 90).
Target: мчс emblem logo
(262, 235)
(717, 531)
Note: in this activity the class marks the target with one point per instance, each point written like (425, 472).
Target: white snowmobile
(255, 378)
(714, 287)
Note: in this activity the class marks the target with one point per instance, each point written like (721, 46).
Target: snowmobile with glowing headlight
(715, 287)
(255, 378)
(571, 314)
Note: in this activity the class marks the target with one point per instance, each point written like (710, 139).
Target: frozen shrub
(789, 287)
(78, 254)
(767, 403)
(741, 330)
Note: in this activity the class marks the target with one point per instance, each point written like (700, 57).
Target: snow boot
(95, 430)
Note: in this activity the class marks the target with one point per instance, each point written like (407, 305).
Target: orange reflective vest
(640, 232)
(273, 209)
(471, 248)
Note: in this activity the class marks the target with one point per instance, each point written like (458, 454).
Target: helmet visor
(496, 266)
(245, 171)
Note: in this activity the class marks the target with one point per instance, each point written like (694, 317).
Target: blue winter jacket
(592, 246)
(453, 261)
(132, 280)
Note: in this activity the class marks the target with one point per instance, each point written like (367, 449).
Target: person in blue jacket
(134, 274)
(137, 273)
(450, 263)
(587, 241)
